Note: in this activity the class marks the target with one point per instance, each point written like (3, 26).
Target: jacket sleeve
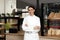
(23, 25)
(38, 24)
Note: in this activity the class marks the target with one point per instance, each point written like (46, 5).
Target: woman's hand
(26, 25)
(36, 28)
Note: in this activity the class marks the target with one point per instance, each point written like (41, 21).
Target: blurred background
(12, 13)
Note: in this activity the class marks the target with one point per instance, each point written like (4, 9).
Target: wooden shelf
(13, 23)
(1, 23)
(21, 17)
(2, 28)
(53, 19)
(2, 35)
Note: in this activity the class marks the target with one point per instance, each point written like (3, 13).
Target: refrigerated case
(51, 18)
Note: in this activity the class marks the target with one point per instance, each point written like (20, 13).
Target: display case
(51, 17)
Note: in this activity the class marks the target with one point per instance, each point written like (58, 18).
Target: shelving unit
(14, 21)
(2, 29)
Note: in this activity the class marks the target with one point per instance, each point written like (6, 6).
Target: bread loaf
(51, 15)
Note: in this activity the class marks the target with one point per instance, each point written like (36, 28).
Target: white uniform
(30, 33)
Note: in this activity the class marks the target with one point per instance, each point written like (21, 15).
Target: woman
(31, 25)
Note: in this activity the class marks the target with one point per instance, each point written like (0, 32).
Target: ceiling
(23, 3)
(40, 1)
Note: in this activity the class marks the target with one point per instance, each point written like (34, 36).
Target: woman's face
(31, 11)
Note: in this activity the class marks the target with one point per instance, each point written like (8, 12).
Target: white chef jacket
(31, 21)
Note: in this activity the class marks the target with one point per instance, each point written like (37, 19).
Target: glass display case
(51, 12)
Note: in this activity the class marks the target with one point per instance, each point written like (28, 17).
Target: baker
(31, 25)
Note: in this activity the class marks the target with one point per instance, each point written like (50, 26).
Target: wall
(6, 6)
(21, 4)
(1, 6)
(10, 5)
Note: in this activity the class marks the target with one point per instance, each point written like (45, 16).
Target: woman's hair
(31, 7)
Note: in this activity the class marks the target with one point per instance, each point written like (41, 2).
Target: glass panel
(51, 13)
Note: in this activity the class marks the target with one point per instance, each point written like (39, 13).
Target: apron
(31, 36)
